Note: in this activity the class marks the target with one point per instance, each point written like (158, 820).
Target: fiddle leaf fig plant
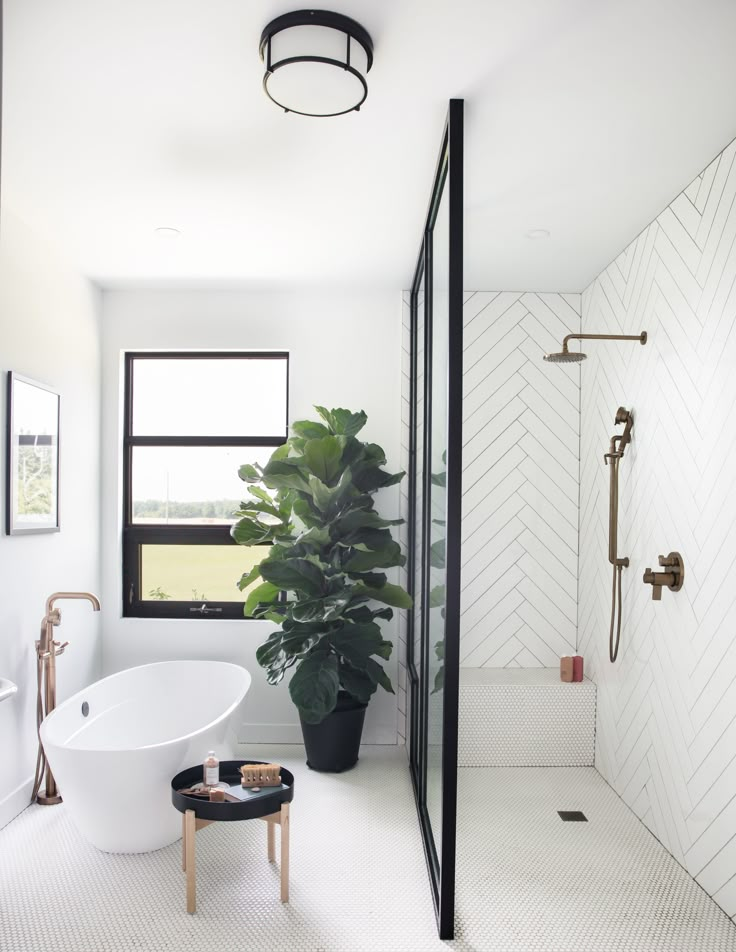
(325, 570)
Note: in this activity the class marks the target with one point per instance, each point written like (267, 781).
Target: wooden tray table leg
(284, 852)
(190, 833)
(271, 835)
(184, 842)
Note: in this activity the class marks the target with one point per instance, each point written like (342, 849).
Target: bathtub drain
(85, 709)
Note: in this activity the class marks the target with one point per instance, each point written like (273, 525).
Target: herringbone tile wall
(520, 482)
(666, 727)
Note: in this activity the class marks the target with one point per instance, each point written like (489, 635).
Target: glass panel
(437, 512)
(198, 573)
(209, 397)
(190, 485)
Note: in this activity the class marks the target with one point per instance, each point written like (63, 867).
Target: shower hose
(615, 588)
(618, 564)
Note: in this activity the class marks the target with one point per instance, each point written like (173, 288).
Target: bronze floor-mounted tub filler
(618, 444)
(47, 651)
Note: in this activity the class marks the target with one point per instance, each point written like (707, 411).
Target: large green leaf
(357, 641)
(342, 422)
(249, 532)
(249, 577)
(260, 493)
(356, 683)
(307, 512)
(437, 554)
(363, 613)
(265, 592)
(361, 519)
(309, 429)
(372, 579)
(383, 558)
(314, 686)
(280, 474)
(353, 452)
(295, 575)
(316, 536)
(249, 474)
(389, 594)
(370, 480)
(250, 508)
(329, 499)
(437, 597)
(322, 457)
(374, 671)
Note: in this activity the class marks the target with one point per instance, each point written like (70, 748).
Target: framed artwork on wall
(32, 457)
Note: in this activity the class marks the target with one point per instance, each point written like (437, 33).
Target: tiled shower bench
(525, 717)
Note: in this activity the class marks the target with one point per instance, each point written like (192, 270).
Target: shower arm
(642, 338)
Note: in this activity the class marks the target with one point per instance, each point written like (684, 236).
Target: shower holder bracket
(672, 579)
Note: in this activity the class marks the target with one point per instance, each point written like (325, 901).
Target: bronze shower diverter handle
(672, 579)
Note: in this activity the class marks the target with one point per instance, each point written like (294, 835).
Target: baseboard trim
(15, 802)
(248, 734)
(270, 734)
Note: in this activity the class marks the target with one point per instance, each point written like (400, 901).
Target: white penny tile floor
(526, 880)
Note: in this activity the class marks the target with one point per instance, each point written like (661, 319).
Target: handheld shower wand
(612, 457)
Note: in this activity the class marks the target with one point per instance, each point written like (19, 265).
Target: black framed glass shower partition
(435, 473)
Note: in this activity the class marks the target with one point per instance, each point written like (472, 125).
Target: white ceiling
(583, 117)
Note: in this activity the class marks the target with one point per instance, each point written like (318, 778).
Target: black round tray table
(269, 803)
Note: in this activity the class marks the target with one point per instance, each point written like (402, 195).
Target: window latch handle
(204, 610)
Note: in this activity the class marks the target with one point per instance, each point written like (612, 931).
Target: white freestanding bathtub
(114, 763)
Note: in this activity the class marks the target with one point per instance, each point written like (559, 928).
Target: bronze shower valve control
(672, 579)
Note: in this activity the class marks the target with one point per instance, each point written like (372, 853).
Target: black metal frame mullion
(453, 516)
(441, 868)
(426, 529)
(411, 535)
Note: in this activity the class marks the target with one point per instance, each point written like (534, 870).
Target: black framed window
(191, 419)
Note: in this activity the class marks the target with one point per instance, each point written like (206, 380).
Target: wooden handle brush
(260, 775)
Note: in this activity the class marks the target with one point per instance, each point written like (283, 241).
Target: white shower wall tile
(520, 482)
(666, 731)
(525, 718)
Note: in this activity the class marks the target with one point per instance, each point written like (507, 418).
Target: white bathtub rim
(223, 715)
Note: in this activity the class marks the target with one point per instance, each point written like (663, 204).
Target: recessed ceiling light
(168, 232)
(537, 233)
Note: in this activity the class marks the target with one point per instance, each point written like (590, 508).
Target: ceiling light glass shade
(316, 62)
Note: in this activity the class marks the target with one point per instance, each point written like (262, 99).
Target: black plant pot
(333, 744)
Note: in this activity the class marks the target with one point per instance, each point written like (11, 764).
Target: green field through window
(196, 572)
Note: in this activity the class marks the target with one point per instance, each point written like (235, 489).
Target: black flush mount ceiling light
(316, 63)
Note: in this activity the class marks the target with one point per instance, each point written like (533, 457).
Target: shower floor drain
(572, 816)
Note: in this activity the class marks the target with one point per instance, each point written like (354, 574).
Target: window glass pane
(190, 485)
(437, 395)
(198, 573)
(209, 397)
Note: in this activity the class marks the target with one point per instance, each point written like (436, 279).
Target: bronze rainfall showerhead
(575, 357)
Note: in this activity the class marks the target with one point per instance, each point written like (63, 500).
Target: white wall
(521, 422)
(345, 351)
(48, 331)
(666, 731)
